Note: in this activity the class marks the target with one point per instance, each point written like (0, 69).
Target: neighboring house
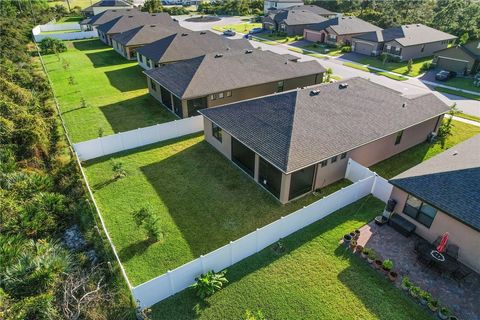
(300, 141)
(462, 59)
(186, 45)
(126, 43)
(279, 4)
(105, 5)
(217, 78)
(338, 31)
(91, 23)
(124, 23)
(293, 20)
(405, 42)
(442, 195)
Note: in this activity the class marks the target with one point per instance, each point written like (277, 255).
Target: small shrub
(51, 45)
(387, 264)
(146, 219)
(209, 283)
(409, 66)
(372, 255)
(100, 132)
(118, 170)
(406, 282)
(425, 296)
(346, 49)
(366, 251)
(426, 66)
(83, 103)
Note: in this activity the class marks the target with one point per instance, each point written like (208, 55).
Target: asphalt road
(409, 87)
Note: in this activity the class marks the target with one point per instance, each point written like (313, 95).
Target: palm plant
(209, 283)
(146, 218)
(118, 169)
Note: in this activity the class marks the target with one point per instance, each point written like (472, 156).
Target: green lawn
(69, 19)
(367, 69)
(73, 3)
(403, 161)
(238, 27)
(324, 49)
(458, 93)
(114, 90)
(277, 39)
(462, 83)
(469, 117)
(397, 67)
(202, 202)
(315, 279)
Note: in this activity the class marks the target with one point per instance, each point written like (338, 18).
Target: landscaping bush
(209, 283)
(346, 49)
(145, 218)
(51, 45)
(426, 66)
(176, 11)
(118, 169)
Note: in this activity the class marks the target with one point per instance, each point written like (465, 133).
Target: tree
(445, 129)
(409, 66)
(145, 218)
(328, 74)
(463, 39)
(51, 45)
(118, 170)
(152, 6)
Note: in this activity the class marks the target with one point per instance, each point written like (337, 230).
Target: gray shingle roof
(407, 35)
(109, 15)
(109, 3)
(345, 25)
(208, 74)
(127, 22)
(300, 15)
(449, 181)
(190, 44)
(147, 34)
(295, 129)
(313, 8)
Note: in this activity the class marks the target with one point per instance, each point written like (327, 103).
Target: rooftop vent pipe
(203, 32)
(343, 86)
(184, 34)
(404, 105)
(248, 51)
(314, 92)
(218, 55)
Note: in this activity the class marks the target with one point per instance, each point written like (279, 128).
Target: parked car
(229, 33)
(255, 30)
(445, 75)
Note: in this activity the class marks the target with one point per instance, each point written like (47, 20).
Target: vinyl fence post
(374, 183)
(257, 240)
(100, 141)
(349, 165)
(231, 252)
(203, 263)
(170, 280)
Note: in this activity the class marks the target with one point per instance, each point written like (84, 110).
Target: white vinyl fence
(174, 281)
(137, 138)
(78, 34)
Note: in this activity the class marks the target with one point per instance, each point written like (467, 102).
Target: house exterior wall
(224, 147)
(103, 37)
(450, 58)
(467, 238)
(313, 35)
(375, 47)
(414, 52)
(295, 30)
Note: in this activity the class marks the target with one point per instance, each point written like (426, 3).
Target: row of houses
(274, 118)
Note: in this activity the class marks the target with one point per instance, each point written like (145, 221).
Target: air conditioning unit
(432, 136)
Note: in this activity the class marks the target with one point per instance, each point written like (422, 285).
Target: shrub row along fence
(137, 138)
(66, 35)
(182, 277)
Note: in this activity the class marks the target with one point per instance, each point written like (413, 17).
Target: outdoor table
(437, 256)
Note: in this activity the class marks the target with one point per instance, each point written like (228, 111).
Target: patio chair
(452, 251)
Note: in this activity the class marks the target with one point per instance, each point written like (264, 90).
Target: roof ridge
(287, 160)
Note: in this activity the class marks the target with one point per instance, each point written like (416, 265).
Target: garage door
(363, 48)
(451, 65)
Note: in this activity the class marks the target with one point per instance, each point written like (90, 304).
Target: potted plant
(346, 239)
(365, 252)
(357, 234)
(352, 234)
(406, 284)
(359, 248)
(377, 264)
(433, 305)
(443, 313)
(392, 276)
(425, 297)
(353, 244)
(372, 255)
(387, 266)
(414, 291)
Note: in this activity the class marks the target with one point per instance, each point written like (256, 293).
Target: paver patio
(461, 297)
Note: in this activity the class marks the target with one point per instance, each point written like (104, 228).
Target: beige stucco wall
(331, 173)
(224, 147)
(413, 52)
(460, 234)
(313, 35)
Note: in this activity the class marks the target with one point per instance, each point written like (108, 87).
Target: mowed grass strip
(407, 159)
(201, 199)
(315, 278)
(114, 89)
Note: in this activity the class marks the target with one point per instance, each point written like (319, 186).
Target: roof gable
(345, 25)
(127, 22)
(147, 34)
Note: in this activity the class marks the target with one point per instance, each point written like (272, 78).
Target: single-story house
(279, 4)
(217, 78)
(186, 45)
(126, 43)
(124, 23)
(441, 195)
(300, 141)
(105, 5)
(405, 42)
(293, 20)
(462, 59)
(338, 31)
(91, 23)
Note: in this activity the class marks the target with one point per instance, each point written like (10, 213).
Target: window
(420, 211)
(220, 95)
(228, 93)
(153, 85)
(217, 132)
(212, 97)
(423, 48)
(398, 138)
(280, 86)
(301, 182)
(343, 155)
(324, 163)
(150, 65)
(334, 159)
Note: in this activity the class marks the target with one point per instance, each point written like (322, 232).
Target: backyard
(201, 200)
(315, 278)
(401, 162)
(238, 27)
(113, 89)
